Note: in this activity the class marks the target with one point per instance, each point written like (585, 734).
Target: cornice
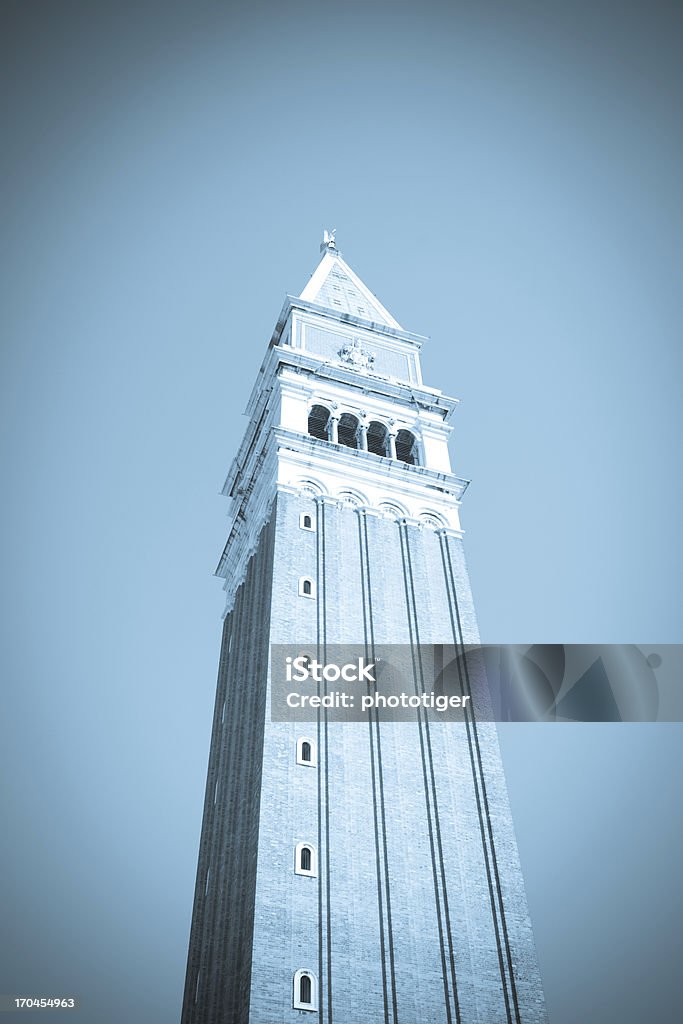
(302, 362)
(447, 483)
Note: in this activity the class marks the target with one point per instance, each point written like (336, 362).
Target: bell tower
(354, 872)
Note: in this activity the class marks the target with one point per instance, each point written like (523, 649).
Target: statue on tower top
(329, 243)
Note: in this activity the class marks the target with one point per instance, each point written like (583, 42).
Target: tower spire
(335, 285)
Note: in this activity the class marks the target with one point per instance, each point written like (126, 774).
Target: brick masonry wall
(218, 974)
(417, 913)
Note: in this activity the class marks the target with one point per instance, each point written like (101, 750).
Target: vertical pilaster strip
(486, 830)
(377, 779)
(204, 922)
(223, 853)
(241, 782)
(324, 897)
(219, 970)
(204, 859)
(436, 853)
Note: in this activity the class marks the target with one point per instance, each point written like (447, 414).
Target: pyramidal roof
(334, 284)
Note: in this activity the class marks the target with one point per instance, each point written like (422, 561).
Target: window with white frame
(306, 752)
(305, 991)
(306, 522)
(306, 587)
(305, 860)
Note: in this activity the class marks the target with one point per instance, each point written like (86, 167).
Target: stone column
(392, 444)
(333, 428)
(363, 435)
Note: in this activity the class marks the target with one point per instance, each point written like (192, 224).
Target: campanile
(350, 873)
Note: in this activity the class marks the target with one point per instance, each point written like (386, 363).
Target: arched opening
(306, 752)
(307, 523)
(347, 432)
(305, 860)
(377, 438)
(406, 447)
(318, 420)
(305, 989)
(306, 588)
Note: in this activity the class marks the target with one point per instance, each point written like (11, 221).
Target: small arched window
(347, 432)
(306, 521)
(406, 447)
(305, 991)
(318, 422)
(306, 752)
(377, 438)
(305, 860)
(306, 587)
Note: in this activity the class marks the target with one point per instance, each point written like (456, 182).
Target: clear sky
(506, 177)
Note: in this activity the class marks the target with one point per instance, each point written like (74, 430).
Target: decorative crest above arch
(431, 518)
(352, 497)
(312, 487)
(392, 508)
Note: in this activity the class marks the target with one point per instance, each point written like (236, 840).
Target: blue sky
(506, 178)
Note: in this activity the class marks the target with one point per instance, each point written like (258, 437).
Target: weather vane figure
(329, 241)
